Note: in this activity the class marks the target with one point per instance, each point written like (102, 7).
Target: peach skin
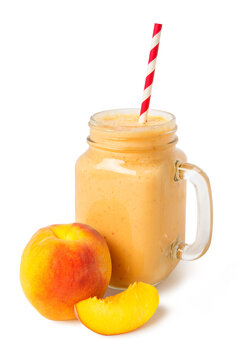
(120, 313)
(63, 264)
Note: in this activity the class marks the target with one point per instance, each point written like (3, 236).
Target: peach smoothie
(125, 189)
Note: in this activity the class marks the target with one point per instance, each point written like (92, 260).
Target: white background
(61, 61)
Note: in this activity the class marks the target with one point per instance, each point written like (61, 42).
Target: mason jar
(131, 187)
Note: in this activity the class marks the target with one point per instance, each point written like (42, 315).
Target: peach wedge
(120, 313)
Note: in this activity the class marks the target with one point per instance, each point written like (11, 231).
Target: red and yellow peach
(63, 264)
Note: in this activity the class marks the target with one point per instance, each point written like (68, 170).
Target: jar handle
(199, 179)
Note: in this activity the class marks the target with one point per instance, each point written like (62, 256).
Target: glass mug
(131, 187)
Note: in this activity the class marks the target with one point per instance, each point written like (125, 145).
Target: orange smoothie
(125, 189)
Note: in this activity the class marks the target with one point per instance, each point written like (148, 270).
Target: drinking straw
(150, 73)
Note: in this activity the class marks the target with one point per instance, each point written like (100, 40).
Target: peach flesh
(120, 313)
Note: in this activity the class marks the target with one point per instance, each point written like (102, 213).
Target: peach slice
(120, 313)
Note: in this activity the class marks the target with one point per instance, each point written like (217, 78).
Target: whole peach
(63, 264)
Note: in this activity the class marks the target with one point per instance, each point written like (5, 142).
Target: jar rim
(96, 120)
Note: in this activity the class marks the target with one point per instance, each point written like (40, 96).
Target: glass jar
(130, 187)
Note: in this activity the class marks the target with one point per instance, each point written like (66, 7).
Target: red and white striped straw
(150, 73)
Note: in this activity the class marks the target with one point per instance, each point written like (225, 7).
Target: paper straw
(150, 73)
